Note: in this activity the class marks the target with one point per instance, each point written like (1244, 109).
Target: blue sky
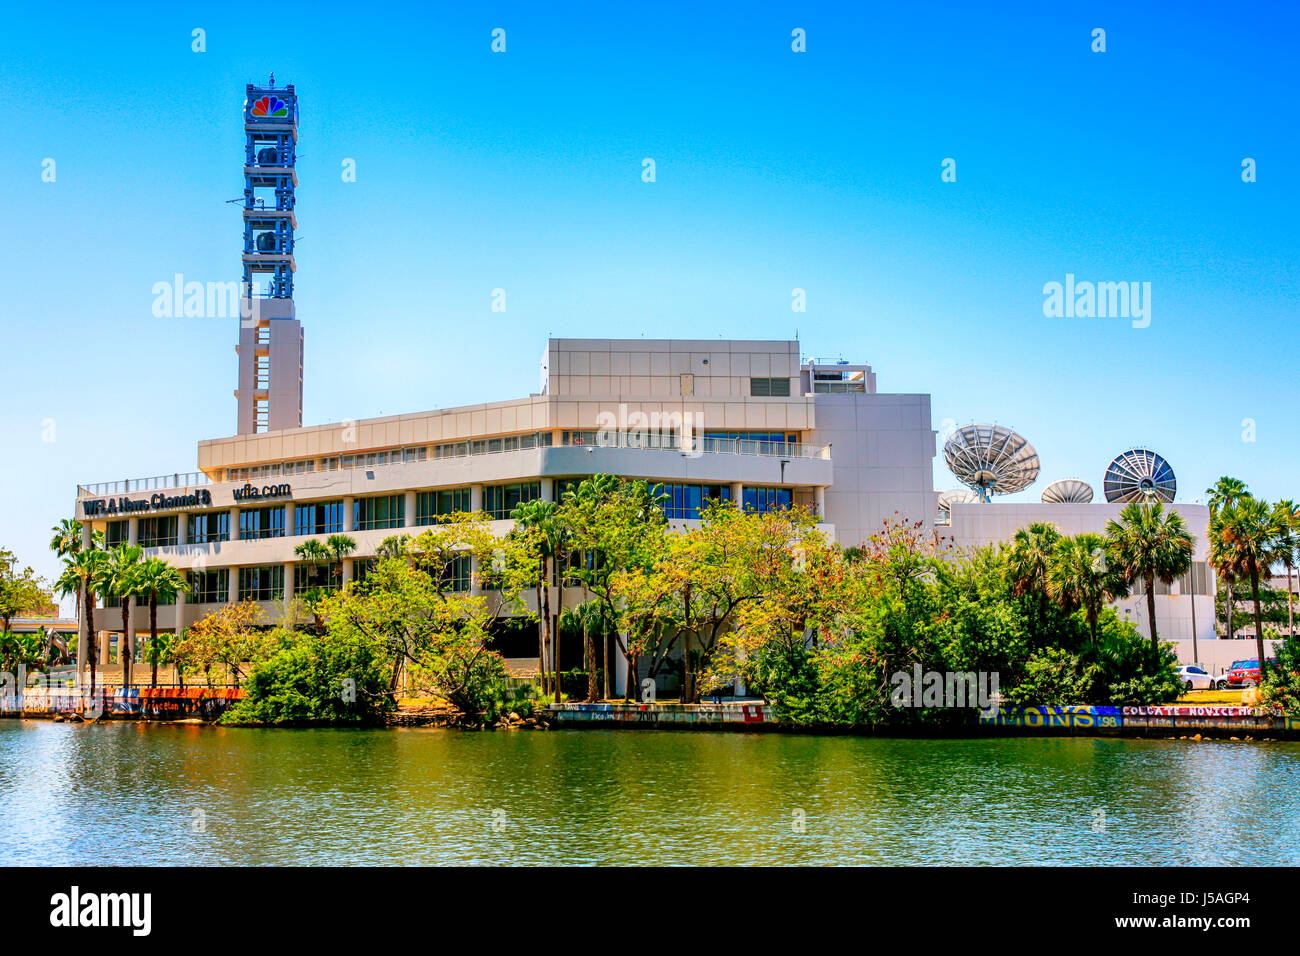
(775, 170)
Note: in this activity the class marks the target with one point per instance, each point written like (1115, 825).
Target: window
(687, 501)
(431, 505)
(769, 386)
(362, 568)
(766, 499)
(500, 500)
(261, 523)
(157, 532)
(210, 526)
(455, 576)
(387, 511)
(307, 577)
(564, 485)
(115, 534)
(210, 587)
(265, 583)
(319, 517)
(1198, 575)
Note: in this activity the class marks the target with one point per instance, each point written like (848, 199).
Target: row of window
(393, 456)
(389, 512)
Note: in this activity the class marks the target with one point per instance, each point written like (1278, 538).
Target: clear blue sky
(775, 170)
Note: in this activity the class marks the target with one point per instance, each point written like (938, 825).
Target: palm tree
(394, 546)
(533, 516)
(1247, 534)
(157, 581)
(1028, 560)
(1149, 542)
(1286, 514)
(117, 580)
(1079, 576)
(66, 537)
(81, 571)
(1224, 492)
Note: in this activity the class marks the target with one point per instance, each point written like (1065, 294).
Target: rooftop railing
(650, 441)
(157, 482)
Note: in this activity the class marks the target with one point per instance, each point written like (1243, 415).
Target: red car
(1245, 673)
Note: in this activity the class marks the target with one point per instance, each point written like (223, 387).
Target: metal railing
(156, 483)
(672, 441)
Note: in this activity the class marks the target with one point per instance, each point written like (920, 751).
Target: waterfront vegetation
(739, 596)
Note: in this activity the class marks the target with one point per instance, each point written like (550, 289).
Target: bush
(1053, 677)
(314, 679)
(1280, 688)
(1125, 669)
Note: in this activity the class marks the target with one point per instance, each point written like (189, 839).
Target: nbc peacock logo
(271, 106)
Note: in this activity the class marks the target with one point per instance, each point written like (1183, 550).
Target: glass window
(265, 583)
(261, 523)
(687, 501)
(115, 533)
(431, 505)
(500, 500)
(386, 511)
(769, 386)
(766, 499)
(455, 576)
(210, 587)
(209, 526)
(157, 532)
(318, 517)
(307, 577)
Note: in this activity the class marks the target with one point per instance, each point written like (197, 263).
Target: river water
(130, 793)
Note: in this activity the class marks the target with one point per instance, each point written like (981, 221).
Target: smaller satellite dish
(951, 497)
(1139, 475)
(1068, 491)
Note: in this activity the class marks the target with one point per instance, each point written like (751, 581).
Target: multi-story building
(743, 421)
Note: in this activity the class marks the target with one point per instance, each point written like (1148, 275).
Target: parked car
(1193, 678)
(1245, 673)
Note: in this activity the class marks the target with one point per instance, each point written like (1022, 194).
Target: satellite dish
(1139, 475)
(1068, 491)
(954, 496)
(991, 460)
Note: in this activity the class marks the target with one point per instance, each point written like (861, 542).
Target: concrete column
(232, 586)
(347, 515)
(475, 498)
(409, 517)
(132, 530)
(819, 501)
(182, 597)
(548, 489)
(737, 493)
(288, 580)
(290, 519)
(347, 570)
(234, 524)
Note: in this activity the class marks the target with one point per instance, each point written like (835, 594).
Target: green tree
(1286, 515)
(156, 581)
(1080, 576)
(21, 590)
(117, 579)
(1150, 543)
(1224, 492)
(81, 572)
(1028, 560)
(1244, 539)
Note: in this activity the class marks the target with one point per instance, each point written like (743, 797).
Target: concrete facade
(746, 416)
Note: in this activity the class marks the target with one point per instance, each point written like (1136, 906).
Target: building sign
(266, 491)
(158, 502)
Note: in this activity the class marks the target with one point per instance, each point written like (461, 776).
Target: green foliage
(312, 678)
(1280, 688)
(1052, 677)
